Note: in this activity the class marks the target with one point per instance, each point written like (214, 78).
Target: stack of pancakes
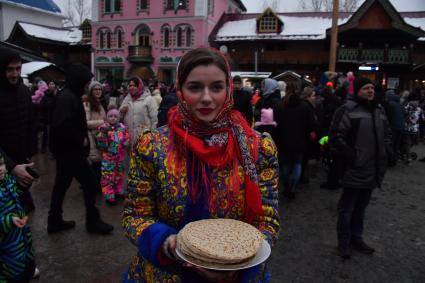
(219, 243)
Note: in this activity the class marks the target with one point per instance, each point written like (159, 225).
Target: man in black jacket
(16, 128)
(359, 133)
(70, 144)
(242, 99)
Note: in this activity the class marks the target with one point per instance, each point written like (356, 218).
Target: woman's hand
(19, 222)
(212, 275)
(124, 109)
(169, 247)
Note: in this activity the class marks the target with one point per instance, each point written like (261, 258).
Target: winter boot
(56, 224)
(95, 224)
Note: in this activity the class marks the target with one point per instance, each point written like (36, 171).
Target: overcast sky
(293, 5)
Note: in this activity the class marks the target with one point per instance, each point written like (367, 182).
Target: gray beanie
(93, 84)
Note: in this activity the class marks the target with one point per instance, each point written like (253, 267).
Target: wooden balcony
(385, 56)
(140, 54)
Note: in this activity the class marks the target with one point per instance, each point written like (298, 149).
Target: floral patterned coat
(157, 206)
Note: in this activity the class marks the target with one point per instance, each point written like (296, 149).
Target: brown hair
(94, 102)
(200, 57)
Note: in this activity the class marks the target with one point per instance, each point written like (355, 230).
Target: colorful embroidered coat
(158, 206)
(112, 141)
(15, 243)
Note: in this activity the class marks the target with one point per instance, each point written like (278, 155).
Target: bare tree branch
(327, 5)
(273, 4)
(303, 5)
(349, 5)
(76, 12)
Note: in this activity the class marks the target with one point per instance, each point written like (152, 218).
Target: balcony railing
(140, 54)
(389, 56)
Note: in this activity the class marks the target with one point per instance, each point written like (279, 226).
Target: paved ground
(306, 249)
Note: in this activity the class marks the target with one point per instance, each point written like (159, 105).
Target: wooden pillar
(334, 36)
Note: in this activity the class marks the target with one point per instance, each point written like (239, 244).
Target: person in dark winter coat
(295, 121)
(17, 128)
(308, 96)
(48, 103)
(395, 114)
(361, 134)
(70, 144)
(242, 99)
(169, 100)
(329, 105)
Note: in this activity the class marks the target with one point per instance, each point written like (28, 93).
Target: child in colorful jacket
(16, 253)
(112, 141)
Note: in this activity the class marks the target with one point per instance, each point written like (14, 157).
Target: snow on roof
(416, 22)
(263, 75)
(294, 28)
(31, 67)
(46, 6)
(72, 35)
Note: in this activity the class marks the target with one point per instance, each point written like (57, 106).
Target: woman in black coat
(295, 122)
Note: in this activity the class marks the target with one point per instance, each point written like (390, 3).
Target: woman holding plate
(206, 163)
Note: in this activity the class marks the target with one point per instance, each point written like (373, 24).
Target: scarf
(225, 142)
(140, 90)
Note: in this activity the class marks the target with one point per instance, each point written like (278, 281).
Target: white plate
(261, 256)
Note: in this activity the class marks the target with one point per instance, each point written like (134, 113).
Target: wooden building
(375, 41)
(61, 46)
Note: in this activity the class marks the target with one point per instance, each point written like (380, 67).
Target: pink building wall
(164, 59)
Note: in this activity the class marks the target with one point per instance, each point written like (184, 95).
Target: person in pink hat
(112, 140)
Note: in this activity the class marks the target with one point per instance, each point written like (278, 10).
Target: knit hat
(360, 82)
(93, 84)
(237, 79)
(266, 118)
(113, 112)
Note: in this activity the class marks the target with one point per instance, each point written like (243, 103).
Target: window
(179, 37)
(117, 5)
(111, 6)
(188, 37)
(143, 5)
(210, 7)
(268, 23)
(175, 4)
(101, 40)
(104, 38)
(165, 33)
(142, 35)
(86, 30)
(184, 34)
(119, 35)
(108, 39)
(107, 6)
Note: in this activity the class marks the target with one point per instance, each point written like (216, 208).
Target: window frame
(170, 5)
(112, 6)
(268, 24)
(139, 5)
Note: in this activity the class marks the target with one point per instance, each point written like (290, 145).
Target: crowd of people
(206, 147)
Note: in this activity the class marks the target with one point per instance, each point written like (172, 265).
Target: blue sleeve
(253, 275)
(151, 240)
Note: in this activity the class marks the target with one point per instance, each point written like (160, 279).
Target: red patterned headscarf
(225, 142)
(140, 87)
